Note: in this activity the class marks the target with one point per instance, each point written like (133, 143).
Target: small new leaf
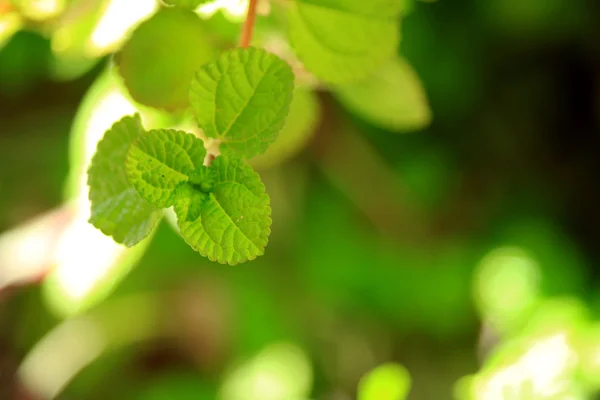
(231, 223)
(242, 100)
(117, 208)
(343, 40)
(160, 161)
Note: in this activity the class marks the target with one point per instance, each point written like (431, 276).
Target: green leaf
(159, 60)
(386, 382)
(392, 98)
(160, 161)
(191, 4)
(298, 130)
(343, 40)
(117, 208)
(242, 99)
(231, 223)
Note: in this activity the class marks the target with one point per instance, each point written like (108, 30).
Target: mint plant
(240, 99)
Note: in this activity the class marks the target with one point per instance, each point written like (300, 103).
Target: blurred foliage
(386, 382)
(457, 261)
(166, 38)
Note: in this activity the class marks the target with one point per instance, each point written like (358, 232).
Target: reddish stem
(249, 24)
(5, 8)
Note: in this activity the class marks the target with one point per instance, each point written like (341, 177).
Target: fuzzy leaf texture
(231, 222)
(392, 98)
(158, 62)
(242, 99)
(343, 40)
(160, 161)
(117, 208)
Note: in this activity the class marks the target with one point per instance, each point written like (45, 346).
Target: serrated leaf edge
(91, 219)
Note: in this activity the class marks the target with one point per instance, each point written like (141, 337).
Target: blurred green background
(464, 254)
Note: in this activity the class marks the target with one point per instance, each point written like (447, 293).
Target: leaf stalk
(248, 27)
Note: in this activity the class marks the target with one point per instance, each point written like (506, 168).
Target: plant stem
(5, 8)
(249, 24)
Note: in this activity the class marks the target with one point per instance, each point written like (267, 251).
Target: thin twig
(249, 24)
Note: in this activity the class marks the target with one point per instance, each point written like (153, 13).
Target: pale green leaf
(117, 208)
(343, 40)
(232, 223)
(242, 99)
(159, 60)
(161, 160)
(386, 382)
(299, 128)
(392, 98)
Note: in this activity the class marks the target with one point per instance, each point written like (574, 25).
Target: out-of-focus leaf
(391, 98)
(562, 266)
(118, 19)
(507, 288)
(24, 62)
(70, 288)
(386, 382)
(341, 41)
(159, 60)
(284, 366)
(550, 340)
(299, 128)
(69, 40)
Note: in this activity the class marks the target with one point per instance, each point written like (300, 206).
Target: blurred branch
(193, 315)
(62, 353)
(355, 167)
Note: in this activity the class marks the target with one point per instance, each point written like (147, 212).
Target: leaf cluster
(241, 99)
